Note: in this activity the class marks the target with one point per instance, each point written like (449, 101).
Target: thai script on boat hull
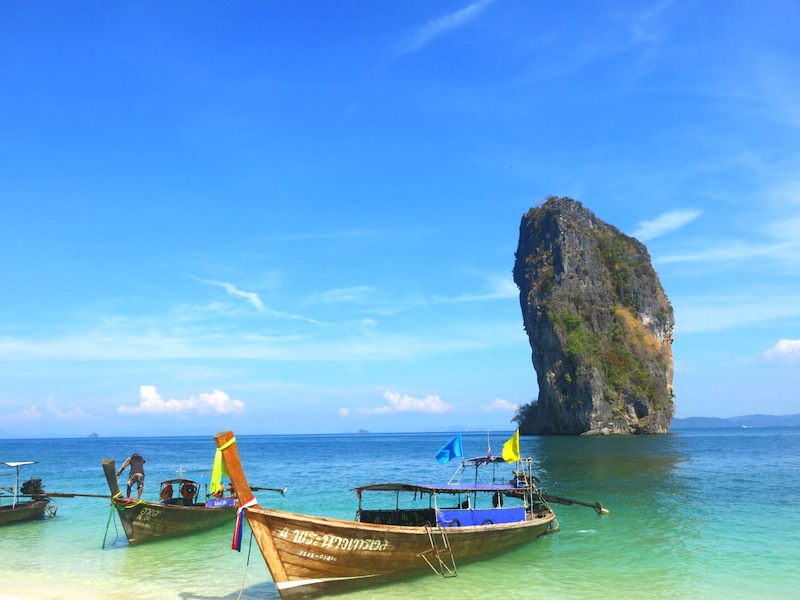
(322, 540)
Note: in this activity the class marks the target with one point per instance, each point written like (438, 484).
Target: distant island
(744, 421)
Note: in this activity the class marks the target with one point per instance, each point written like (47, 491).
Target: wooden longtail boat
(24, 510)
(309, 556)
(144, 521)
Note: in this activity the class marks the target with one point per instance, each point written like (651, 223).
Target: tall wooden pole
(230, 455)
(261, 531)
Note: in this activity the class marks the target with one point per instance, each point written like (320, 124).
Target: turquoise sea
(711, 513)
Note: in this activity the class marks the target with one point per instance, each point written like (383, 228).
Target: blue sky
(301, 217)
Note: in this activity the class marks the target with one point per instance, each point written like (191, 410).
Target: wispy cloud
(151, 403)
(357, 293)
(730, 251)
(151, 341)
(766, 235)
(499, 288)
(777, 241)
(251, 297)
(51, 410)
(438, 27)
(786, 351)
(32, 412)
(648, 31)
(349, 234)
(726, 313)
(665, 223)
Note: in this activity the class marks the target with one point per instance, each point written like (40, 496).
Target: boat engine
(33, 488)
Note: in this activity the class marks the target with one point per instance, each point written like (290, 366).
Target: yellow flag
(511, 448)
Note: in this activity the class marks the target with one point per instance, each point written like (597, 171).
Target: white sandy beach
(52, 594)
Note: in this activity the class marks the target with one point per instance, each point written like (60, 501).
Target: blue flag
(450, 450)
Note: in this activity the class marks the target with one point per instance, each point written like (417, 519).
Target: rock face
(599, 325)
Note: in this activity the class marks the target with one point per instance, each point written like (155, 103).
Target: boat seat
(488, 516)
(414, 517)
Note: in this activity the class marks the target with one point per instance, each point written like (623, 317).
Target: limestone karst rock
(599, 325)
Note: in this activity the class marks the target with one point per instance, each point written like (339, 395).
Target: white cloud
(378, 410)
(50, 410)
(152, 404)
(251, 297)
(31, 412)
(726, 313)
(784, 351)
(405, 403)
(437, 27)
(725, 252)
(500, 404)
(665, 223)
(500, 288)
(255, 300)
(344, 412)
(147, 339)
(73, 412)
(349, 294)
(770, 233)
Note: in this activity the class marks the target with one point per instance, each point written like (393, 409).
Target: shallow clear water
(694, 514)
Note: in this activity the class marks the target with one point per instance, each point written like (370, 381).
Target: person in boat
(136, 462)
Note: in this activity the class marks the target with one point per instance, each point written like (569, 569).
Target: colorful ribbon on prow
(236, 543)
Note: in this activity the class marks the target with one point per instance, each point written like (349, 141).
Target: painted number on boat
(147, 514)
(321, 540)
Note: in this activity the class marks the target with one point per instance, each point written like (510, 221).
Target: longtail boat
(180, 511)
(24, 510)
(309, 556)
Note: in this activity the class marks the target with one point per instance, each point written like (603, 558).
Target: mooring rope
(108, 522)
(124, 504)
(247, 566)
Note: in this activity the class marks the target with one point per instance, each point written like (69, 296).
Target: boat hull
(23, 511)
(145, 521)
(311, 556)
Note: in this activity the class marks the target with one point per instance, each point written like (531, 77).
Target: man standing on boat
(136, 463)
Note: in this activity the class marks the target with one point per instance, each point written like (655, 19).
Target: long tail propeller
(598, 508)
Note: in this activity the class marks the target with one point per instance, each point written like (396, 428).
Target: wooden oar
(598, 508)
